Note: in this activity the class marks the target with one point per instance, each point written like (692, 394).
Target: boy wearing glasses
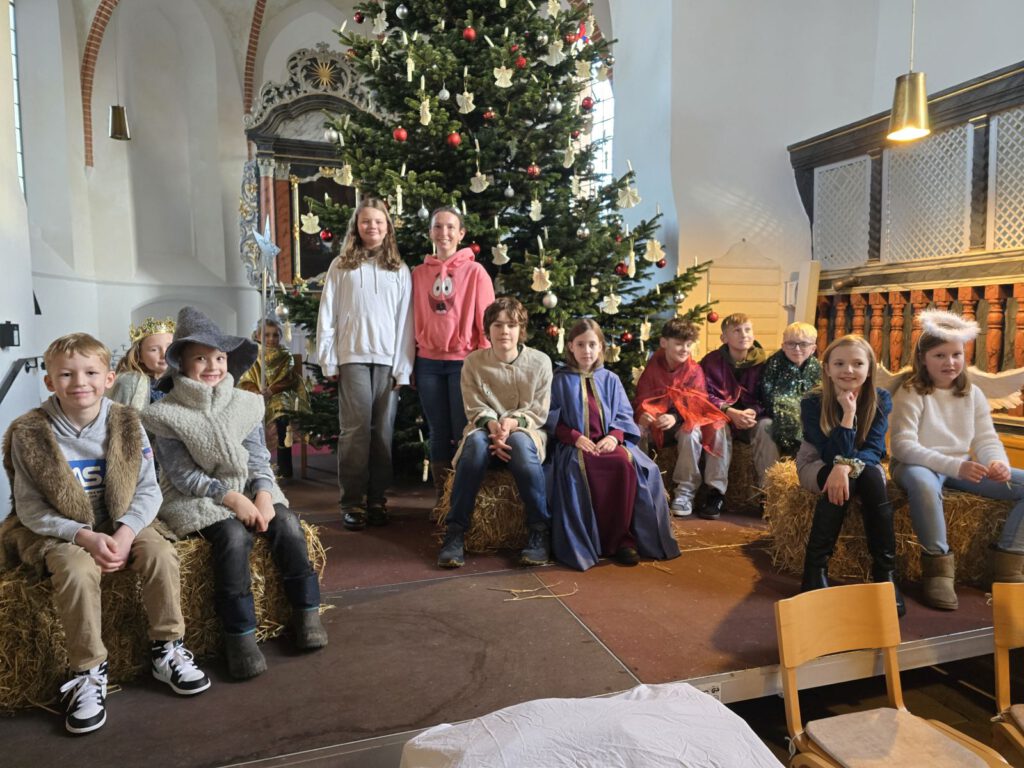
(788, 374)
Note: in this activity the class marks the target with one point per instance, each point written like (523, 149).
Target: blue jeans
(524, 465)
(924, 490)
(440, 387)
(232, 579)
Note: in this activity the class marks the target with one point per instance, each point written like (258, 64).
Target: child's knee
(70, 564)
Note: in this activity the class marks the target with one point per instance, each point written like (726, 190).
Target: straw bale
(742, 493)
(972, 523)
(499, 518)
(33, 652)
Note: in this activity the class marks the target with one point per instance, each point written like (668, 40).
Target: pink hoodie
(449, 297)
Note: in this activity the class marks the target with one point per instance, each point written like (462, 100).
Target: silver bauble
(401, 11)
(542, 38)
(443, 94)
(423, 213)
(550, 300)
(509, 192)
(609, 61)
(554, 107)
(281, 311)
(679, 297)
(583, 232)
(331, 135)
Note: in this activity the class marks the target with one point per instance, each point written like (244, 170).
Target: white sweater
(366, 317)
(940, 431)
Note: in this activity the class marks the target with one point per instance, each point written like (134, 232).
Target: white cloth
(650, 726)
(940, 431)
(366, 317)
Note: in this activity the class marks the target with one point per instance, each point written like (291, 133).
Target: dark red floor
(412, 646)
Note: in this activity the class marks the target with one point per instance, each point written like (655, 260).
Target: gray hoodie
(85, 450)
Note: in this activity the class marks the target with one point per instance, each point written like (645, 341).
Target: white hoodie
(366, 317)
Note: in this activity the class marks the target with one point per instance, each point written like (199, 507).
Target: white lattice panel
(1006, 180)
(842, 203)
(926, 197)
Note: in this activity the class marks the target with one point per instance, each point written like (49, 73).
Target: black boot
(284, 461)
(821, 542)
(882, 546)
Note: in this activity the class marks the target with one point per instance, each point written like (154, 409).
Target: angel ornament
(465, 102)
(628, 197)
(499, 254)
(344, 177)
(535, 210)
(610, 304)
(425, 112)
(479, 182)
(502, 77)
(654, 252)
(380, 23)
(310, 223)
(541, 280)
(555, 55)
(582, 69)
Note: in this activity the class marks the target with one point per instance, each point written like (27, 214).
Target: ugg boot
(821, 543)
(309, 630)
(1007, 566)
(439, 471)
(937, 572)
(882, 546)
(245, 659)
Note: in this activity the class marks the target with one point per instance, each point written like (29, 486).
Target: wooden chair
(856, 617)
(1008, 618)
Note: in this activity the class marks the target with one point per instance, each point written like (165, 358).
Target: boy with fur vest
(217, 483)
(84, 495)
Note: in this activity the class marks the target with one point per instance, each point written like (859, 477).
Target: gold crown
(150, 326)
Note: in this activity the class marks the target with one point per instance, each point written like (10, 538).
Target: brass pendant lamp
(909, 118)
(117, 127)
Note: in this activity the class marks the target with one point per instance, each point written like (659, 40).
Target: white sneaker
(173, 664)
(86, 695)
(682, 504)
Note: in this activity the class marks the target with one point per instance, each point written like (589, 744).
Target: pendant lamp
(117, 127)
(909, 118)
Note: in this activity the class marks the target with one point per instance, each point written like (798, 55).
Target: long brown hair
(578, 329)
(353, 251)
(918, 377)
(867, 399)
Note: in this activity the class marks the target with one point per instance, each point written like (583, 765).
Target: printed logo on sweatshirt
(91, 473)
(441, 293)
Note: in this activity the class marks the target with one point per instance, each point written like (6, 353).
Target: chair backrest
(834, 620)
(1008, 628)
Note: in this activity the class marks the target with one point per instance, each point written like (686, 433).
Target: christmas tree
(486, 105)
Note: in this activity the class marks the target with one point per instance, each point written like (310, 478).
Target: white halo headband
(948, 326)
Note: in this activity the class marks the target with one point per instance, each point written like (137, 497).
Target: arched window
(17, 99)
(601, 132)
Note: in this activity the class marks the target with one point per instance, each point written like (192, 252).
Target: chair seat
(882, 738)
(1016, 716)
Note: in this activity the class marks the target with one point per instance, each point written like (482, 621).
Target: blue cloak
(574, 535)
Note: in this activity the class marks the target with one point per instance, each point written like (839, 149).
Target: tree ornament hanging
(569, 156)
(654, 251)
(712, 317)
(425, 116)
(400, 134)
(401, 11)
(553, 8)
(536, 213)
(465, 102)
(631, 264)
(627, 337)
(310, 223)
(521, 62)
(582, 70)
(583, 231)
(489, 115)
(542, 39)
(331, 135)
(509, 192)
(502, 77)
(594, 283)
(499, 254)
(475, 248)
(575, 133)
(478, 183)
(554, 55)
(610, 304)
(326, 235)
(560, 344)
(552, 330)
(587, 104)
(423, 213)
(679, 297)
(613, 354)
(344, 176)
(541, 280)
(380, 23)
(554, 107)
(358, 16)
(469, 34)
(533, 170)
(453, 139)
(628, 197)
(443, 94)
(660, 263)
(620, 269)
(570, 38)
(550, 300)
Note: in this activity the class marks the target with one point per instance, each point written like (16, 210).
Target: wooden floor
(412, 646)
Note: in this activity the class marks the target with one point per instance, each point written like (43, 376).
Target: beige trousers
(76, 592)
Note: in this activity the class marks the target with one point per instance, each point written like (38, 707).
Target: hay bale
(972, 523)
(499, 518)
(742, 493)
(33, 653)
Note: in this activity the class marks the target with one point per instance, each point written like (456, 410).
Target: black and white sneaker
(173, 664)
(86, 696)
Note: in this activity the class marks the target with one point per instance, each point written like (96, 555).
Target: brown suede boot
(1007, 566)
(937, 572)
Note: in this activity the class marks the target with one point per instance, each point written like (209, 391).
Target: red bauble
(400, 134)
(514, 47)
(712, 317)
(359, 17)
(326, 235)
(570, 38)
(621, 268)
(618, 238)
(521, 62)
(553, 331)
(575, 134)
(627, 337)
(475, 248)
(533, 170)
(489, 114)
(587, 103)
(469, 34)
(454, 139)
(661, 263)
(351, 53)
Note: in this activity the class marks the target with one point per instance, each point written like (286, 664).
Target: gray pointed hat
(195, 327)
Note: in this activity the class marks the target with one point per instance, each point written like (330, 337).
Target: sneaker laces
(85, 686)
(180, 661)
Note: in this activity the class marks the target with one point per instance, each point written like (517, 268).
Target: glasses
(798, 344)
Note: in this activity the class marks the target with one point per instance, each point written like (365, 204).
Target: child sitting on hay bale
(605, 494)
(143, 364)
(85, 493)
(788, 375)
(506, 390)
(844, 423)
(217, 483)
(943, 436)
(733, 376)
(672, 398)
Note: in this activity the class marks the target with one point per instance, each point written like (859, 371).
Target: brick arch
(250, 53)
(100, 20)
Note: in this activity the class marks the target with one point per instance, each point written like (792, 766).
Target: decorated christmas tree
(487, 105)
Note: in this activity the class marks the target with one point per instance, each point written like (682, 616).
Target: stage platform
(412, 646)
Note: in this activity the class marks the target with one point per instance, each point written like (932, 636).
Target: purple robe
(575, 538)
